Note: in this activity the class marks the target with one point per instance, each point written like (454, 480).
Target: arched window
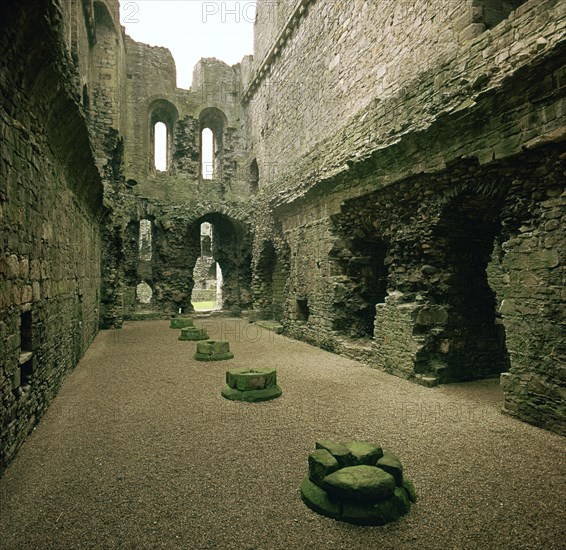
(212, 125)
(162, 118)
(207, 154)
(160, 147)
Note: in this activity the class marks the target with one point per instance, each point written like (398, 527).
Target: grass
(204, 306)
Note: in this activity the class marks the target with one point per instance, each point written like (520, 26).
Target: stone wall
(391, 167)
(388, 184)
(179, 198)
(50, 213)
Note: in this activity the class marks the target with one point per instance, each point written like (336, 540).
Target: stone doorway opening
(363, 284)
(207, 274)
(269, 283)
(471, 345)
(219, 264)
(138, 260)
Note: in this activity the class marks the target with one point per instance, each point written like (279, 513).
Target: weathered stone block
(392, 465)
(251, 396)
(181, 322)
(192, 334)
(321, 464)
(360, 483)
(207, 351)
(410, 489)
(363, 452)
(317, 500)
(340, 452)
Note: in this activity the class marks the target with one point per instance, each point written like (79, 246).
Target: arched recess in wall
(492, 12)
(472, 344)
(254, 177)
(231, 250)
(360, 260)
(162, 118)
(212, 125)
(269, 278)
(102, 16)
(103, 78)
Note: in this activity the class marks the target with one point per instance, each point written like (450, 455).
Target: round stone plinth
(251, 396)
(192, 334)
(251, 385)
(213, 350)
(180, 322)
(356, 482)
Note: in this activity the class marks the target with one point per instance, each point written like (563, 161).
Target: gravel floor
(139, 450)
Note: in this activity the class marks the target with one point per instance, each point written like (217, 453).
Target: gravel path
(139, 450)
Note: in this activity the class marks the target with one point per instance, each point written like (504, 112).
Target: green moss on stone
(180, 322)
(317, 500)
(360, 483)
(340, 452)
(363, 452)
(245, 379)
(410, 489)
(251, 396)
(216, 357)
(192, 334)
(321, 464)
(392, 465)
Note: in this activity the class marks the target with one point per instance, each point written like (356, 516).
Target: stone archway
(270, 275)
(469, 341)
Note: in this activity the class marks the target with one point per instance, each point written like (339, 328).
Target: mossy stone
(220, 346)
(245, 379)
(340, 452)
(213, 350)
(215, 357)
(360, 484)
(378, 513)
(363, 452)
(180, 322)
(251, 396)
(231, 375)
(410, 489)
(192, 333)
(392, 465)
(317, 500)
(321, 464)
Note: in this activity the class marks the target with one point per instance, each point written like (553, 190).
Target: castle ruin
(386, 182)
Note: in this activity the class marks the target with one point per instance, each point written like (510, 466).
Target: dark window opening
(254, 177)
(26, 348)
(269, 283)
(303, 311)
(26, 332)
(86, 99)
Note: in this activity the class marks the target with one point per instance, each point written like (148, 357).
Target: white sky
(192, 29)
